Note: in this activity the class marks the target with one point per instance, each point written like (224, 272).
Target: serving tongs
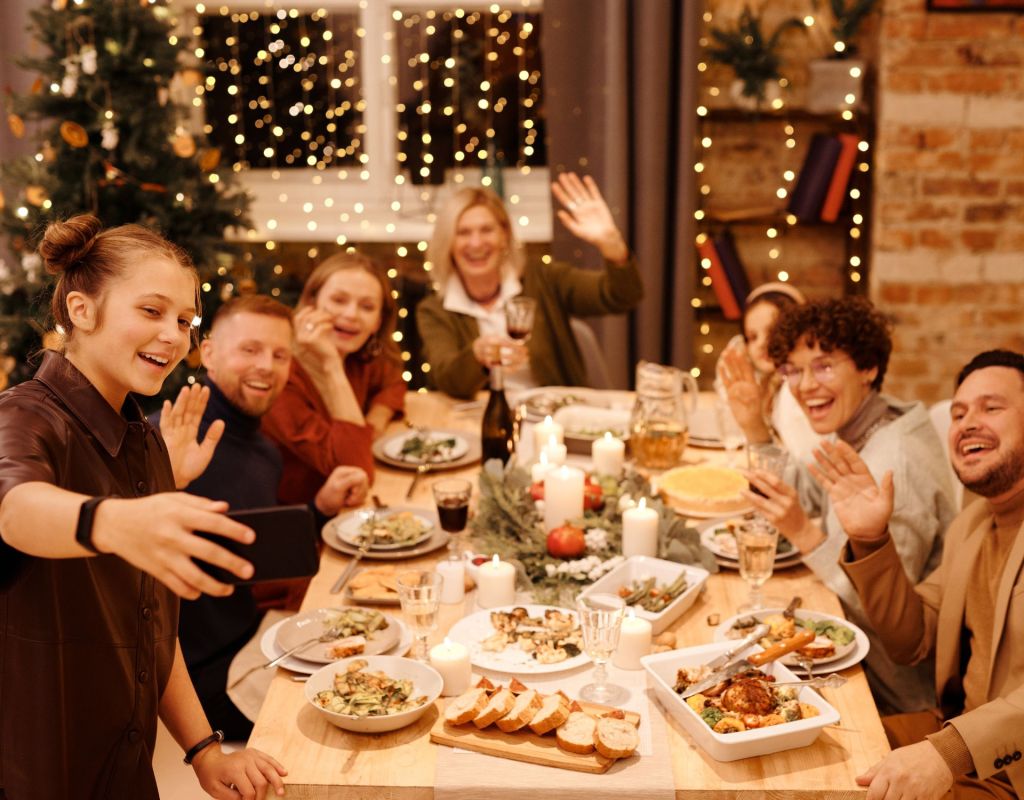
(753, 661)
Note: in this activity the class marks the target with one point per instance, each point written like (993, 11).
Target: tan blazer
(915, 622)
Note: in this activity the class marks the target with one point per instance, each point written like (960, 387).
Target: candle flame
(495, 560)
(643, 503)
(631, 615)
(548, 420)
(607, 436)
(544, 457)
(552, 441)
(448, 642)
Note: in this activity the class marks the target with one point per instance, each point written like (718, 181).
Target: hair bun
(66, 243)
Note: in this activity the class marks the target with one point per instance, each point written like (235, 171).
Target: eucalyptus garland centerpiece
(509, 522)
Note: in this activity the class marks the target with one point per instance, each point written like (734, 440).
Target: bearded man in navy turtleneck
(247, 357)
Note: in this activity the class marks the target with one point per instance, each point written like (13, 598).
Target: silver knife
(727, 657)
(421, 470)
(802, 639)
(347, 572)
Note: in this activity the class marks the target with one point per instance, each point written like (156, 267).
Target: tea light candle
(640, 531)
(555, 451)
(634, 642)
(541, 468)
(451, 660)
(563, 496)
(453, 572)
(495, 584)
(608, 454)
(543, 431)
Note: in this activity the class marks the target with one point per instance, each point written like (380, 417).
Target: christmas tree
(110, 112)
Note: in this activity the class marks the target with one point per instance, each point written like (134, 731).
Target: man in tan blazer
(969, 613)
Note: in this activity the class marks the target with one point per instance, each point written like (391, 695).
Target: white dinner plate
(546, 400)
(844, 657)
(270, 648)
(472, 630)
(392, 446)
(348, 527)
(717, 538)
(308, 624)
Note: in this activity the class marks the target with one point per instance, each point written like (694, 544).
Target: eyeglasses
(822, 370)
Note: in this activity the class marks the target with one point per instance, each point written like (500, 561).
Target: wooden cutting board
(525, 745)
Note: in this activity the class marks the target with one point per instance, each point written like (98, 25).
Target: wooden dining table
(325, 762)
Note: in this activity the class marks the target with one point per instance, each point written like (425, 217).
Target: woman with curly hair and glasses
(346, 377)
(834, 354)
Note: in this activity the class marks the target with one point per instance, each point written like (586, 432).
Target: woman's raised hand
(744, 393)
(179, 425)
(156, 534)
(862, 506)
(587, 216)
(314, 344)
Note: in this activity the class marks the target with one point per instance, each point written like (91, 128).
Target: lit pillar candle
(541, 468)
(453, 573)
(543, 431)
(640, 531)
(451, 660)
(495, 584)
(634, 642)
(608, 454)
(563, 496)
(555, 451)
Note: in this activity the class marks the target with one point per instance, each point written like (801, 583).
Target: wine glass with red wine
(452, 498)
(519, 315)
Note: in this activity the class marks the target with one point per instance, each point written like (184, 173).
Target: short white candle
(563, 496)
(453, 573)
(608, 454)
(541, 468)
(640, 531)
(634, 642)
(543, 431)
(495, 584)
(451, 659)
(555, 451)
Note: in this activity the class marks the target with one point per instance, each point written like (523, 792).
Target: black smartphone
(285, 545)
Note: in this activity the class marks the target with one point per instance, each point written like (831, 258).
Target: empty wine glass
(452, 498)
(600, 623)
(756, 542)
(419, 592)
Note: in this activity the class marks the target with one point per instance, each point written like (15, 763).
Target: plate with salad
(388, 530)
(435, 449)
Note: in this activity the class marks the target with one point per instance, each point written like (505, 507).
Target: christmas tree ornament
(183, 144)
(89, 58)
(16, 124)
(37, 85)
(35, 195)
(74, 134)
(69, 85)
(109, 135)
(210, 159)
(49, 152)
(31, 263)
(112, 46)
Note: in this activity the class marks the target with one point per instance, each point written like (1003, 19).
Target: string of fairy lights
(774, 231)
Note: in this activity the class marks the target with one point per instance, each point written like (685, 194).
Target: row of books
(728, 277)
(824, 177)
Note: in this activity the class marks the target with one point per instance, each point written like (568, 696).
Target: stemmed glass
(519, 315)
(419, 592)
(600, 623)
(452, 498)
(755, 543)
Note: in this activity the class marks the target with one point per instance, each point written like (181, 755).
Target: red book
(719, 281)
(836, 193)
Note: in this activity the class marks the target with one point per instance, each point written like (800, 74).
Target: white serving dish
(425, 680)
(664, 572)
(662, 668)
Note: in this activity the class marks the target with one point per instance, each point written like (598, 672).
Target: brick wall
(948, 243)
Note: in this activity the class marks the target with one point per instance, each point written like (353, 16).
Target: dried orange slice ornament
(74, 134)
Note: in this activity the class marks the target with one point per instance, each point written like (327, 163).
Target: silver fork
(329, 635)
(421, 470)
(364, 547)
(831, 681)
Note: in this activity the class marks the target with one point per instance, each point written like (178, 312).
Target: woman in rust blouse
(94, 543)
(346, 378)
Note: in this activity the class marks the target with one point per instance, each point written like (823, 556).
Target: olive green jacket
(561, 291)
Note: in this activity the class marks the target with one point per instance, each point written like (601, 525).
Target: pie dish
(704, 490)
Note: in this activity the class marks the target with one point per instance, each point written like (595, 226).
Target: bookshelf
(747, 165)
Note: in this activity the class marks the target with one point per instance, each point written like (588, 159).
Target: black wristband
(83, 531)
(216, 736)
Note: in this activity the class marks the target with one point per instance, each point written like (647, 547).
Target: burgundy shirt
(86, 644)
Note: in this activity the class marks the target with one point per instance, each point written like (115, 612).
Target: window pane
(282, 88)
(469, 89)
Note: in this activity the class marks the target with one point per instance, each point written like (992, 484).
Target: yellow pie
(704, 489)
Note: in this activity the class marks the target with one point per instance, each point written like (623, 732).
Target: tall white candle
(495, 584)
(451, 659)
(555, 451)
(608, 454)
(634, 642)
(453, 573)
(640, 531)
(543, 431)
(563, 496)
(541, 468)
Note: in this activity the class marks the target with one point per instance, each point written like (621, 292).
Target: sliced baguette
(516, 687)
(526, 707)
(615, 738)
(499, 705)
(483, 683)
(576, 734)
(466, 706)
(554, 710)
